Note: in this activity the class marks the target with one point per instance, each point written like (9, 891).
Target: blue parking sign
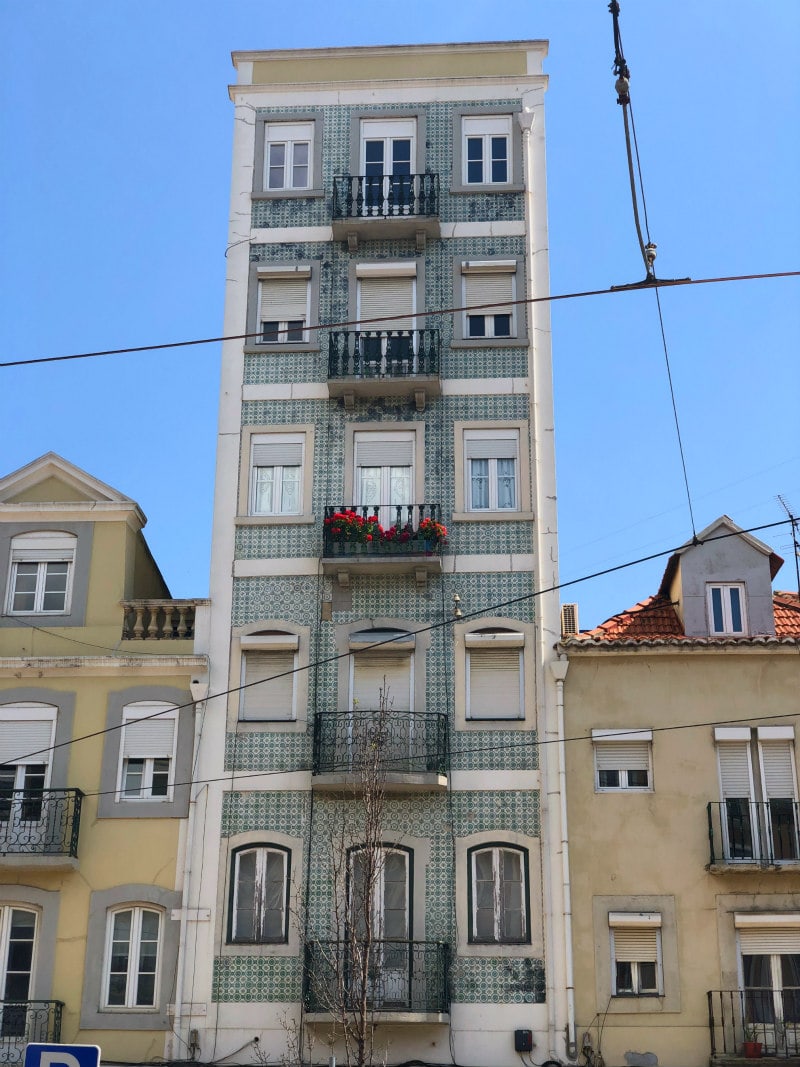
(37, 1055)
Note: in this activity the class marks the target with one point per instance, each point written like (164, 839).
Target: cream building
(681, 762)
(97, 678)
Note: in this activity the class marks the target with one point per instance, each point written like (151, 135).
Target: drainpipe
(558, 669)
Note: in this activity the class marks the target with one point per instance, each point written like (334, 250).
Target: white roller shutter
(493, 287)
(766, 941)
(622, 755)
(43, 546)
(146, 738)
(280, 452)
(379, 297)
(378, 450)
(777, 769)
(494, 683)
(491, 444)
(273, 698)
(20, 737)
(282, 299)
(636, 944)
(735, 769)
(373, 672)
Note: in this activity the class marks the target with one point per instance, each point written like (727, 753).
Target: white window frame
(489, 274)
(133, 973)
(496, 437)
(503, 642)
(283, 313)
(484, 128)
(291, 135)
(614, 738)
(650, 922)
(6, 919)
(132, 713)
(288, 441)
(497, 852)
(279, 643)
(725, 590)
(42, 548)
(262, 853)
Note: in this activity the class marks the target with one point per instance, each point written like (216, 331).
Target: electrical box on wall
(523, 1040)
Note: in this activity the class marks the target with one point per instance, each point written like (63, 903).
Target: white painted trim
(776, 733)
(747, 919)
(485, 386)
(622, 735)
(490, 781)
(305, 391)
(483, 229)
(279, 234)
(731, 733)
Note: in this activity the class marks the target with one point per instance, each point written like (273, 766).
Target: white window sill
(275, 520)
(492, 516)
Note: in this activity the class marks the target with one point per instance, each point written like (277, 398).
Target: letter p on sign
(62, 1055)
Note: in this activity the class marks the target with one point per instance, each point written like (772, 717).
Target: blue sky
(116, 131)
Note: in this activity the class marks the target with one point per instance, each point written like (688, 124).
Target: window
(259, 899)
(386, 291)
(41, 573)
(283, 307)
(269, 661)
(769, 965)
(132, 951)
(486, 150)
(494, 674)
(147, 752)
(759, 762)
(635, 954)
(622, 760)
(17, 941)
(388, 153)
(287, 155)
(276, 474)
(498, 885)
(726, 609)
(492, 470)
(489, 288)
(384, 472)
(379, 909)
(26, 736)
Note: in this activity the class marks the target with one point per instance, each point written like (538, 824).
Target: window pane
(608, 779)
(290, 491)
(647, 976)
(624, 977)
(277, 160)
(25, 587)
(160, 778)
(736, 609)
(502, 325)
(499, 159)
(133, 778)
(294, 330)
(476, 325)
(270, 332)
(263, 490)
(637, 779)
(716, 610)
(399, 485)
(479, 483)
(506, 483)
(300, 165)
(474, 159)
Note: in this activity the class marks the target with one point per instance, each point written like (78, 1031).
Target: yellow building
(681, 752)
(97, 677)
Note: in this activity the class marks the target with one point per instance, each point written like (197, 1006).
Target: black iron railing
(385, 196)
(750, 831)
(766, 1017)
(40, 822)
(400, 530)
(401, 976)
(377, 354)
(407, 742)
(22, 1021)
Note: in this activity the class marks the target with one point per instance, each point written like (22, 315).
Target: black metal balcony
(367, 363)
(382, 539)
(377, 206)
(408, 743)
(769, 1018)
(396, 976)
(40, 822)
(22, 1021)
(762, 833)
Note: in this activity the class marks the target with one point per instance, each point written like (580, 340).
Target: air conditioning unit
(569, 619)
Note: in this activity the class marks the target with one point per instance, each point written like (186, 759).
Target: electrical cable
(657, 282)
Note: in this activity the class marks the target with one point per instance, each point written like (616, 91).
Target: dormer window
(726, 610)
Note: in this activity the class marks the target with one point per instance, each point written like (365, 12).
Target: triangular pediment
(53, 479)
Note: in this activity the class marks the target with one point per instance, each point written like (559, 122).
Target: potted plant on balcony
(433, 533)
(347, 527)
(753, 1048)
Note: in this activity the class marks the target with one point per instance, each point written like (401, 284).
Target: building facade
(681, 720)
(384, 520)
(97, 672)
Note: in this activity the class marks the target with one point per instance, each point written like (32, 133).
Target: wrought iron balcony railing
(406, 742)
(22, 1021)
(40, 822)
(742, 831)
(383, 354)
(400, 529)
(766, 1017)
(396, 976)
(385, 196)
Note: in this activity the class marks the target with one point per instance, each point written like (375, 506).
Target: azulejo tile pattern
(249, 979)
(283, 811)
(479, 980)
(264, 750)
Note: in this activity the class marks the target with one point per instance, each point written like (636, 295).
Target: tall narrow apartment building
(374, 836)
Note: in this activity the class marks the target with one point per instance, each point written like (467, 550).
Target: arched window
(259, 910)
(133, 939)
(498, 883)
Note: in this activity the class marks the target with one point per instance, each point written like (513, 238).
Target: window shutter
(622, 756)
(18, 738)
(271, 699)
(494, 287)
(734, 769)
(778, 772)
(499, 447)
(377, 452)
(386, 296)
(494, 683)
(636, 945)
(369, 672)
(783, 941)
(279, 453)
(145, 738)
(282, 299)
(43, 546)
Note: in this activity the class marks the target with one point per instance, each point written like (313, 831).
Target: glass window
(726, 609)
(147, 751)
(260, 886)
(287, 155)
(636, 954)
(499, 897)
(132, 958)
(487, 150)
(41, 573)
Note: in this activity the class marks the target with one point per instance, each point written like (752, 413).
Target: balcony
(385, 207)
(27, 1020)
(158, 620)
(405, 981)
(39, 828)
(753, 835)
(398, 541)
(369, 363)
(413, 750)
(767, 1019)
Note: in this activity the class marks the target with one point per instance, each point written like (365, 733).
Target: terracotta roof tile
(787, 614)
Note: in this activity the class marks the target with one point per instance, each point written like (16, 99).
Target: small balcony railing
(407, 742)
(402, 530)
(397, 976)
(385, 196)
(769, 1018)
(742, 831)
(158, 620)
(40, 822)
(22, 1021)
(383, 354)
